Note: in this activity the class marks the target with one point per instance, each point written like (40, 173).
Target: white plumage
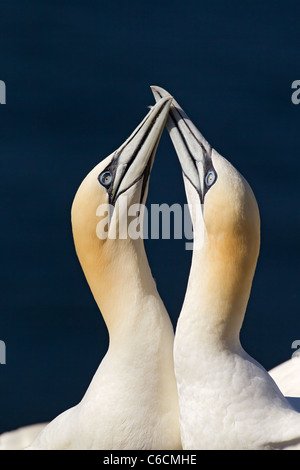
(227, 400)
(131, 402)
(287, 377)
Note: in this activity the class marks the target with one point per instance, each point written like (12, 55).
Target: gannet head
(228, 205)
(125, 173)
(223, 209)
(122, 175)
(101, 213)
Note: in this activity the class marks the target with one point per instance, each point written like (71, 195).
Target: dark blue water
(78, 77)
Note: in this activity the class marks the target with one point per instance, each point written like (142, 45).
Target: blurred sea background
(77, 79)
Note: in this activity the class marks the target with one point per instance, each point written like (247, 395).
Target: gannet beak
(133, 160)
(193, 150)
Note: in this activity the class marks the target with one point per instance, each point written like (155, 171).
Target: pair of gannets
(226, 399)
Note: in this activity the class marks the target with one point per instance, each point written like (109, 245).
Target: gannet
(227, 400)
(20, 438)
(131, 402)
(287, 377)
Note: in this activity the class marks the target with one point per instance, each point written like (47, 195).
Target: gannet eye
(105, 178)
(210, 178)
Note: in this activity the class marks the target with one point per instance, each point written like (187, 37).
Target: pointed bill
(193, 150)
(134, 158)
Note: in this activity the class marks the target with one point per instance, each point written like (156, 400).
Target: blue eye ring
(210, 178)
(105, 178)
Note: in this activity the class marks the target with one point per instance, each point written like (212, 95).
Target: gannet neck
(121, 282)
(141, 335)
(218, 313)
(225, 256)
(117, 270)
